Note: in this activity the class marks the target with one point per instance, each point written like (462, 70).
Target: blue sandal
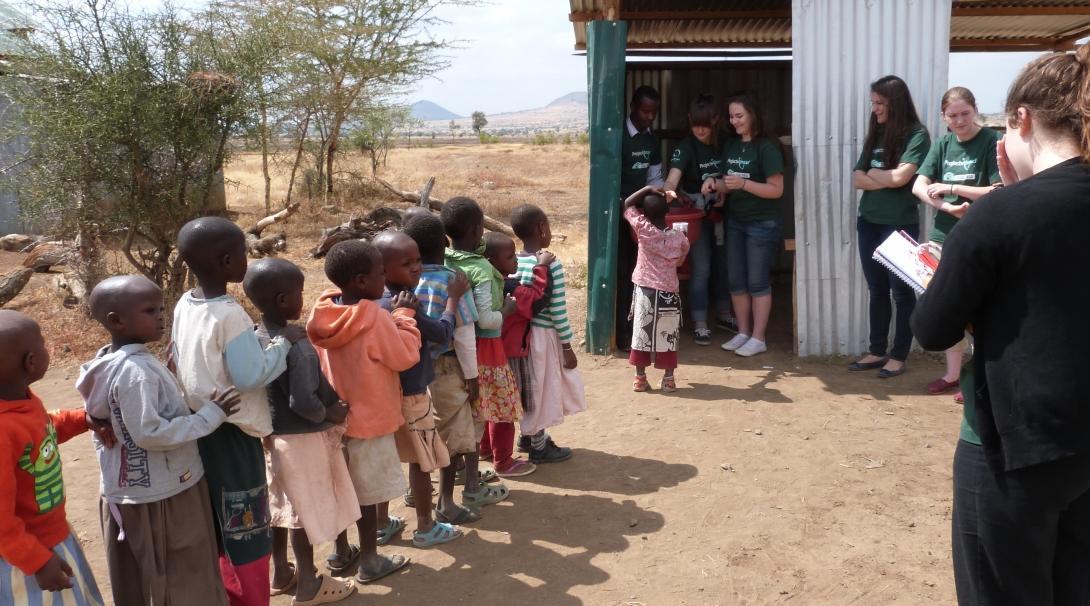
(393, 527)
(440, 533)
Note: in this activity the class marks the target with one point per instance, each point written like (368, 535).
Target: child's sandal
(393, 527)
(640, 383)
(486, 494)
(668, 385)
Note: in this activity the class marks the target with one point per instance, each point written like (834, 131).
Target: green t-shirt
(971, 163)
(696, 161)
(968, 417)
(757, 161)
(893, 206)
(638, 153)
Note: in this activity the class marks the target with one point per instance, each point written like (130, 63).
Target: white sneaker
(738, 341)
(752, 348)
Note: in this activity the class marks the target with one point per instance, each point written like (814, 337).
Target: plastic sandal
(331, 591)
(389, 566)
(640, 384)
(290, 586)
(517, 469)
(483, 475)
(393, 527)
(669, 385)
(486, 494)
(344, 569)
(440, 533)
(464, 516)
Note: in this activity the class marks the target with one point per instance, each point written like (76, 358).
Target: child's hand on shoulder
(293, 333)
(509, 306)
(228, 401)
(103, 429)
(337, 413)
(459, 285)
(405, 300)
(56, 575)
(545, 257)
(571, 362)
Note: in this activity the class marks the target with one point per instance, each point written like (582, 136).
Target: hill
(427, 111)
(565, 114)
(576, 97)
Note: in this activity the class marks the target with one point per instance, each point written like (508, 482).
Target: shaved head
(267, 278)
(393, 242)
(203, 241)
(23, 358)
(120, 293)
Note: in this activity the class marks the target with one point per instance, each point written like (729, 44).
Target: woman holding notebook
(1012, 273)
(960, 168)
(895, 146)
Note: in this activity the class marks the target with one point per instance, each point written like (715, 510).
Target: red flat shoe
(940, 386)
(959, 398)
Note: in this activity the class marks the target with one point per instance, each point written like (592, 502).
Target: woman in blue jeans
(753, 177)
(696, 158)
(895, 146)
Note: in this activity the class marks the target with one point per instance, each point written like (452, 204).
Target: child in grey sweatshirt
(158, 527)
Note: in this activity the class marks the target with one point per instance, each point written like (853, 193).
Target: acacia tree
(479, 122)
(127, 118)
(375, 132)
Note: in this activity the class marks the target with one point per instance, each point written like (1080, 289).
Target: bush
(548, 138)
(486, 138)
(583, 139)
(567, 139)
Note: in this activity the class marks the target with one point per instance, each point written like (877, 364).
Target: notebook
(907, 260)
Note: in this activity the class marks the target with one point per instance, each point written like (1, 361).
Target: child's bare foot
(374, 567)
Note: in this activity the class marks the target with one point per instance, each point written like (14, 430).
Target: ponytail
(1056, 88)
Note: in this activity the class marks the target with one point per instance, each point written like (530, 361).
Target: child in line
(656, 305)
(531, 300)
(310, 492)
(455, 387)
(498, 404)
(215, 347)
(418, 442)
(38, 552)
(362, 349)
(156, 522)
(557, 386)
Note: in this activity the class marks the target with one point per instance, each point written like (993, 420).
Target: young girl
(656, 306)
(695, 159)
(753, 165)
(960, 168)
(895, 146)
(556, 383)
(498, 404)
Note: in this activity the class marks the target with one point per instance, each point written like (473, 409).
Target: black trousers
(1021, 537)
(626, 263)
(880, 282)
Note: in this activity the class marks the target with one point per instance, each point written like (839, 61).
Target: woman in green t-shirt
(696, 158)
(753, 176)
(895, 146)
(960, 168)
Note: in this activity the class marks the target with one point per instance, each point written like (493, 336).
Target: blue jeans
(880, 282)
(751, 251)
(709, 264)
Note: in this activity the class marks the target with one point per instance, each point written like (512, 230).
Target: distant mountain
(577, 98)
(428, 111)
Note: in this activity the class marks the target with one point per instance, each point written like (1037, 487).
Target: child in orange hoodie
(38, 552)
(362, 349)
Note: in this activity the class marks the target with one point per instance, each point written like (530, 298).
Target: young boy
(310, 491)
(38, 552)
(498, 404)
(362, 349)
(215, 347)
(557, 384)
(157, 526)
(454, 388)
(418, 442)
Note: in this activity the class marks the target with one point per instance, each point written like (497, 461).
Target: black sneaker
(702, 336)
(729, 324)
(550, 454)
(524, 444)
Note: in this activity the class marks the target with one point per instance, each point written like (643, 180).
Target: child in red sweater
(38, 552)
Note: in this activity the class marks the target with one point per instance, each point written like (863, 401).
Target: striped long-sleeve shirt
(555, 314)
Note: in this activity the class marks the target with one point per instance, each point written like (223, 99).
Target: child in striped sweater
(556, 383)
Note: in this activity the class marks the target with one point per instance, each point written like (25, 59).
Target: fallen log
(45, 255)
(13, 283)
(277, 217)
(411, 196)
(15, 242)
(258, 246)
(357, 228)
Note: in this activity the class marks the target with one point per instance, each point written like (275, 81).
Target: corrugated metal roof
(975, 25)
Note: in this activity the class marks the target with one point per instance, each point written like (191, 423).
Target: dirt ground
(761, 481)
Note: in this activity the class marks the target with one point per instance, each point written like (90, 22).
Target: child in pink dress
(656, 305)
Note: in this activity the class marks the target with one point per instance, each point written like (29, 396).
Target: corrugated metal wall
(11, 152)
(839, 47)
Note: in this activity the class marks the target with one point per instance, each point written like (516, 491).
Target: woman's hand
(1006, 169)
(670, 195)
(937, 190)
(708, 188)
(733, 182)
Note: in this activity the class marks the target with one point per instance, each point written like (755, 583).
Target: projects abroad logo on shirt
(964, 164)
(741, 164)
(642, 160)
(876, 158)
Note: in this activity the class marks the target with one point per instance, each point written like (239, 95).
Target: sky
(519, 54)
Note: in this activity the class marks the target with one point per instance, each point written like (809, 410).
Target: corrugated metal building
(817, 59)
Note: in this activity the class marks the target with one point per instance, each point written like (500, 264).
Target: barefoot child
(455, 387)
(418, 442)
(498, 403)
(310, 492)
(656, 305)
(41, 561)
(362, 349)
(215, 347)
(557, 384)
(156, 522)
